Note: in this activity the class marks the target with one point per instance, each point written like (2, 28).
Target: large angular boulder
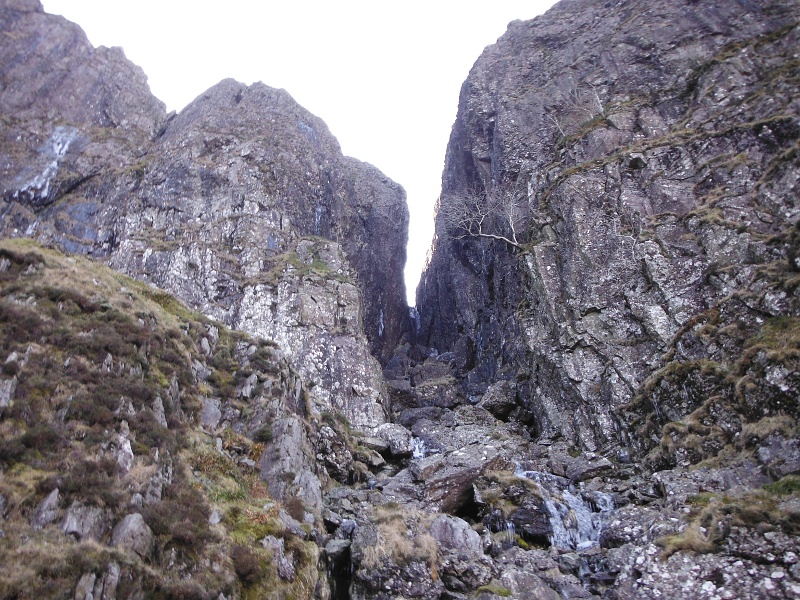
(83, 521)
(47, 510)
(500, 399)
(446, 480)
(133, 534)
(397, 437)
(455, 535)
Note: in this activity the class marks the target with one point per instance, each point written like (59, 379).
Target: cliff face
(602, 399)
(52, 73)
(225, 205)
(648, 152)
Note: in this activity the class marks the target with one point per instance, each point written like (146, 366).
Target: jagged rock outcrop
(225, 204)
(615, 270)
(647, 156)
(52, 73)
(601, 400)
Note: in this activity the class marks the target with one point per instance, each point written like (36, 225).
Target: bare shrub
(247, 565)
(500, 214)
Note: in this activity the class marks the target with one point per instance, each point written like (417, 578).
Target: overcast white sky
(384, 76)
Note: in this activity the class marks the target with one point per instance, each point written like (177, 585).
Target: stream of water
(576, 522)
(419, 449)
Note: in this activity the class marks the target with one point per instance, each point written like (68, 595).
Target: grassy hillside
(102, 386)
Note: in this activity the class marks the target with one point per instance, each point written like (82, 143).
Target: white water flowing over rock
(576, 522)
(419, 449)
(34, 182)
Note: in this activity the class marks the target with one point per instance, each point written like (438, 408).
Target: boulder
(158, 411)
(332, 520)
(455, 535)
(442, 393)
(403, 488)
(282, 561)
(397, 437)
(401, 394)
(132, 533)
(110, 581)
(336, 549)
(460, 575)
(291, 525)
(500, 399)
(779, 455)
(332, 451)
(211, 414)
(7, 389)
(532, 520)
(588, 465)
(369, 457)
(47, 511)
(522, 584)
(249, 386)
(376, 444)
(84, 590)
(85, 522)
(429, 371)
(407, 418)
(446, 480)
(122, 451)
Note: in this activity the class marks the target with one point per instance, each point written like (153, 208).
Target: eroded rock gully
(596, 397)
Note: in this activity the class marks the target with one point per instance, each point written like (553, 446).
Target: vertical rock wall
(226, 204)
(650, 153)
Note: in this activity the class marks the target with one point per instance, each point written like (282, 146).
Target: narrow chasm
(222, 394)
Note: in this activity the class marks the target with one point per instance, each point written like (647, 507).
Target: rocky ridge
(165, 455)
(215, 204)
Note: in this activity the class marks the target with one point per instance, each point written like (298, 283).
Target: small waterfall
(419, 449)
(576, 522)
(505, 528)
(510, 534)
(414, 316)
(317, 219)
(37, 184)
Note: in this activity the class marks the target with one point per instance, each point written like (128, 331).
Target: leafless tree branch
(497, 215)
